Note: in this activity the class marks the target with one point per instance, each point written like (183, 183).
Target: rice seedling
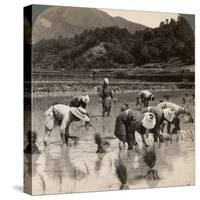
(177, 137)
(166, 97)
(171, 139)
(110, 162)
(190, 134)
(150, 158)
(75, 177)
(88, 172)
(42, 183)
(103, 128)
(60, 181)
(121, 172)
(181, 134)
(98, 141)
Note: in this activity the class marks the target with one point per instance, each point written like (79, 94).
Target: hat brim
(81, 116)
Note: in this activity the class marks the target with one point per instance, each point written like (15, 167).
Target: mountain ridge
(114, 47)
(55, 22)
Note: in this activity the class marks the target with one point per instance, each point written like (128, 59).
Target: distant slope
(114, 47)
(132, 27)
(68, 21)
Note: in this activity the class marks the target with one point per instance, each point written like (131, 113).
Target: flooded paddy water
(78, 168)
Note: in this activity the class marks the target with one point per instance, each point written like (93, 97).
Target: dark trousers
(176, 123)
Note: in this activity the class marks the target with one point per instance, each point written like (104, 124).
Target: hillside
(112, 47)
(55, 22)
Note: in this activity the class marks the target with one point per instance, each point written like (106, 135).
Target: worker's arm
(64, 128)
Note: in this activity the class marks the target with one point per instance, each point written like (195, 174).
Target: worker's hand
(45, 139)
(114, 100)
(45, 143)
(87, 125)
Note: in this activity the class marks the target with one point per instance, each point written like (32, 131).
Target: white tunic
(61, 113)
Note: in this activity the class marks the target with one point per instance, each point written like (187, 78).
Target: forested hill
(113, 47)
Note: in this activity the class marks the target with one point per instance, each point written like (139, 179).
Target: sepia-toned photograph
(109, 99)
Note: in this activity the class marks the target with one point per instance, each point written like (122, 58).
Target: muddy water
(77, 168)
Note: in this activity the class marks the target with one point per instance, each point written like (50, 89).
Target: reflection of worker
(143, 97)
(161, 115)
(32, 147)
(176, 120)
(105, 97)
(129, 121)
(79, 101)
(63, 116)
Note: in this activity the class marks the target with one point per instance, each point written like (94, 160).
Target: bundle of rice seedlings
(149, 158)
(121, 172)
(98, 141)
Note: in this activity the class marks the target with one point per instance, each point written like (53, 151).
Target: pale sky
(150, 19)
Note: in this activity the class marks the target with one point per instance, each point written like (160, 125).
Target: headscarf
(149, 120)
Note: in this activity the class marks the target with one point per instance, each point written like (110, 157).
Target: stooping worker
(79, 101)
(129, 121)
(105, 97)
(178, 111)
(160, 115)
(63, 116)
(143, 97)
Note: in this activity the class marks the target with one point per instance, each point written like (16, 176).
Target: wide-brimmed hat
(169, 114)
(105, 80)
(149, 120)
(81, 113)
(86, 99)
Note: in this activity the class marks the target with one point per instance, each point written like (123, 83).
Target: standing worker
(105, 96)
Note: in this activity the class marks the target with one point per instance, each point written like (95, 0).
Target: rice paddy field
(78, 168)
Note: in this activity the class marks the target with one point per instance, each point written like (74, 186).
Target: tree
(162, 24)
(172, 22)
